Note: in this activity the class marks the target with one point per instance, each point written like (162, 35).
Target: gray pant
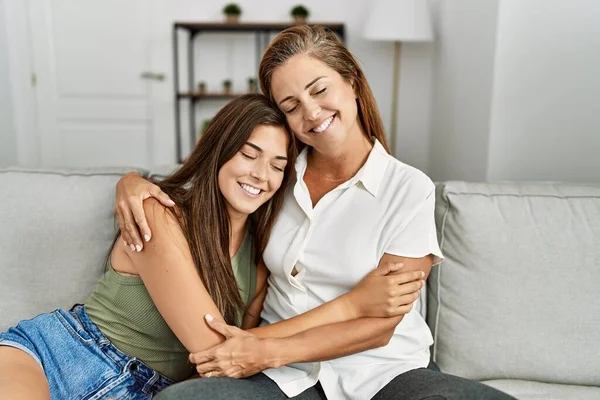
(418, 384)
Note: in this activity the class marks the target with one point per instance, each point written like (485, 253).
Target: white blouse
(387, 207)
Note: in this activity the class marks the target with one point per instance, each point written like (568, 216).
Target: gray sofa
(514, 304)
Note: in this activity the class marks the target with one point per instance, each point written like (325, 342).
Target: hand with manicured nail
(132, 190)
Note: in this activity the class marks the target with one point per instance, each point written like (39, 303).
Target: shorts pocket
(74, 327)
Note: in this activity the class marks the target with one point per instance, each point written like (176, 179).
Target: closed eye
(277, 167)
(291, 110)
(248, 156)
(321, 91)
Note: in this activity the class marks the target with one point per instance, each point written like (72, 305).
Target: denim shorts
(79, 361)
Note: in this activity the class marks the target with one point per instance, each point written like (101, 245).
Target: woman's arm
(385, 292)
(341, 339)
(171, 278)
(132, 190)
(244, 354)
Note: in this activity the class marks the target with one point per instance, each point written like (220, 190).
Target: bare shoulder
(167, 232)
(159, 215)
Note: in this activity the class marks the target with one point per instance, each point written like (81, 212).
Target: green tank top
(122, 308)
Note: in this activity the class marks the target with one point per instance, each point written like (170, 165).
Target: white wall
(516, 90)
(8, 142)
(463, 80)
(546, 102)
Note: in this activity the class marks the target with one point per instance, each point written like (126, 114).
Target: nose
(260, 171)
(311, 111)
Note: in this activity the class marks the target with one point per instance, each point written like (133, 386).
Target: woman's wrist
(350, 305)
(276, 353)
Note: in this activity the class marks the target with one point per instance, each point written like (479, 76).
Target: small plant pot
(252, 85)
(201, 87)
(299, 14)
(232, 19)
(299, 20)
(227, 88)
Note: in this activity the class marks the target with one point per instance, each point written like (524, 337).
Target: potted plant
(252, 85)
(300, 14)
(201, 87)
(227, 86)
(232, 13)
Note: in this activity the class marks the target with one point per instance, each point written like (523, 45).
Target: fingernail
(208, 317)
(147, 237)
(138, 248)
(125, 243)
(132, 247)
(171, 202)
(422, 274)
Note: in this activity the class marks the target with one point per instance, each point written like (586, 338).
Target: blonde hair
(323, 45)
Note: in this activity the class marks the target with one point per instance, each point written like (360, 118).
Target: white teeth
(324, 125)
(250, 189)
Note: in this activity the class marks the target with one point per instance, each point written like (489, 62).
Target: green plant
(232, 9)
(300, 11)
(252, 85)
(227, 82)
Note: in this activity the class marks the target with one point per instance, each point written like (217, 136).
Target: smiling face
(319, 104)
(253, 175)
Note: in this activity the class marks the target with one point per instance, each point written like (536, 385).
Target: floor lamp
(398, 21)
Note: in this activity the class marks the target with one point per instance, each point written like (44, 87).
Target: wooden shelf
(207, 96)
(195, 27)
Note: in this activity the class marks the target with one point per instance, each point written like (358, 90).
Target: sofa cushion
(57, 228)
(517, 296)
(528, 390)
(162, 171)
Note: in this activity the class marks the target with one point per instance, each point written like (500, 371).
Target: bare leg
(20, 376)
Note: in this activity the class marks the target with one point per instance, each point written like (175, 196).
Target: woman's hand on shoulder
(387, 291)
(132, 190)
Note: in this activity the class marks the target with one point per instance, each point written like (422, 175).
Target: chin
(244, 209)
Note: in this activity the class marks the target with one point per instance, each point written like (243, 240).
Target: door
(100, 99)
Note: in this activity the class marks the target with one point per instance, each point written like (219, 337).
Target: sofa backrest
(517, 295)
(56, 227)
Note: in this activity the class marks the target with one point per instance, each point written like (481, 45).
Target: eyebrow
(261, 151)
(305, 87)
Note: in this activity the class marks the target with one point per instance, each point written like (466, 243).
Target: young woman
(353, 207)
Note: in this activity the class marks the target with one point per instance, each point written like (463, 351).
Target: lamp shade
(399, 20)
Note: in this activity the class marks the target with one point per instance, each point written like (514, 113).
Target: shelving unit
(261, 33)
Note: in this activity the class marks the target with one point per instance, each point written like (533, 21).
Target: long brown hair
(322, 44)
(201, 206)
